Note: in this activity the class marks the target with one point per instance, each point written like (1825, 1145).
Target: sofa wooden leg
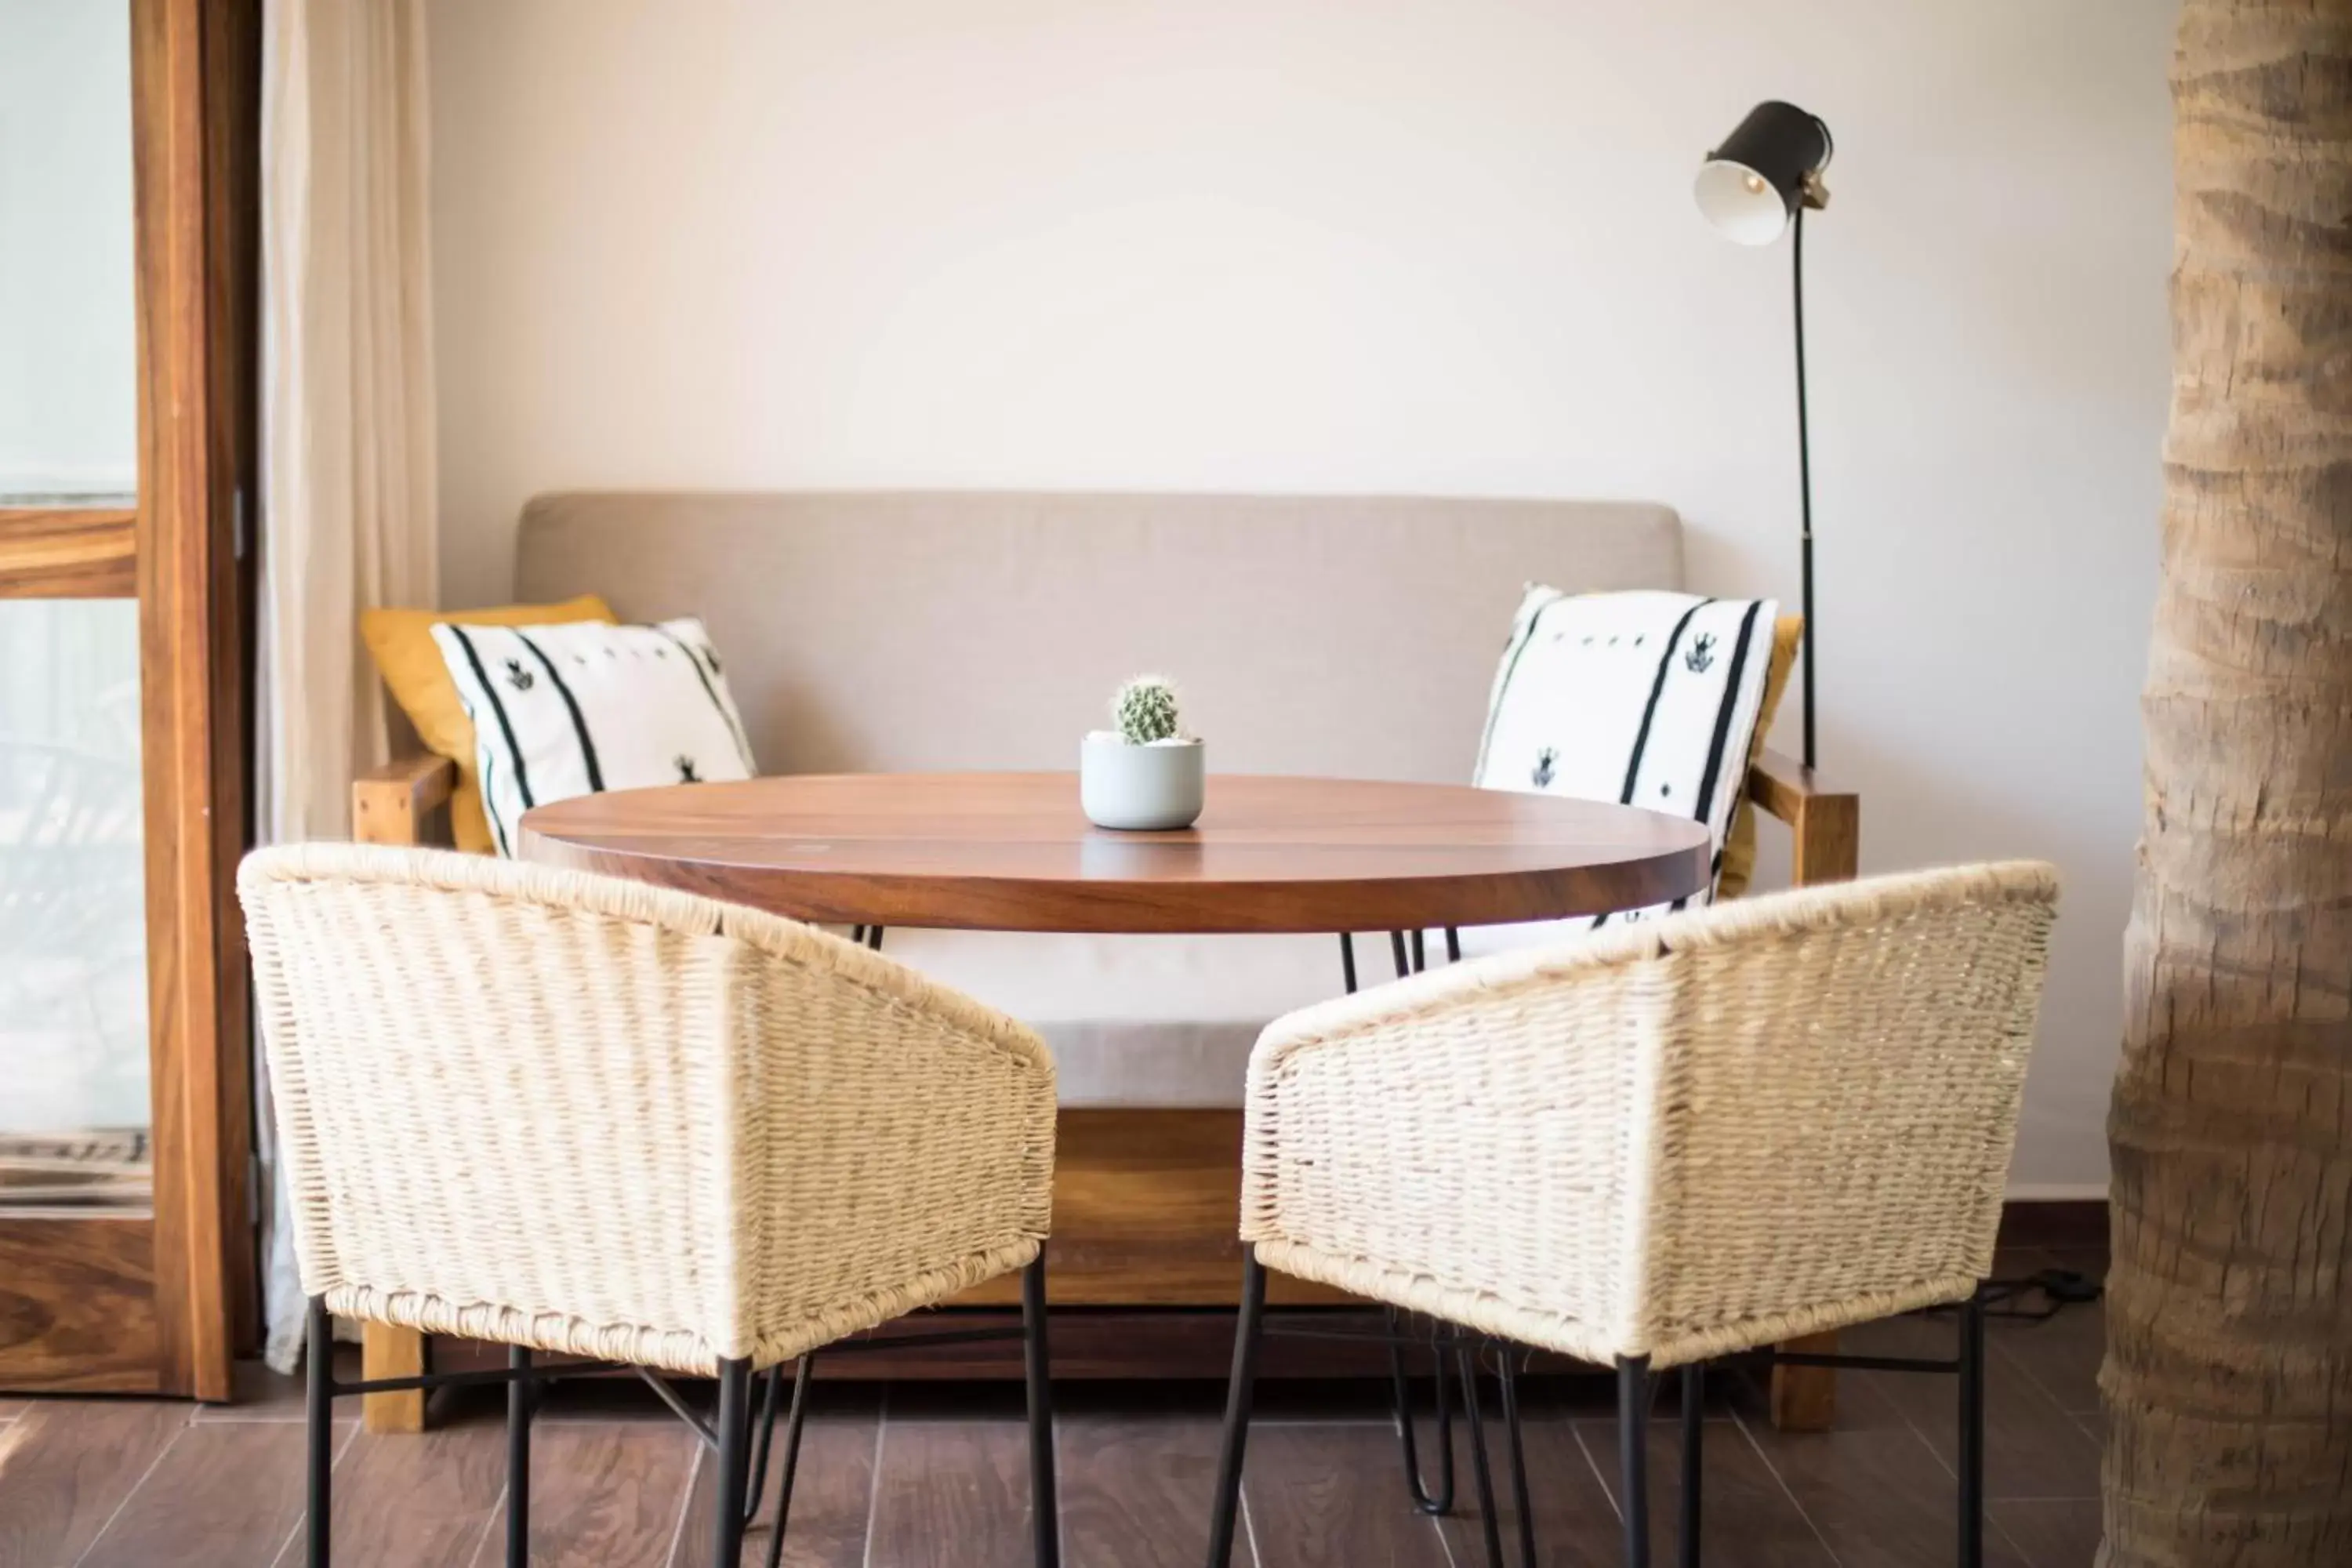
(389, 1351)
(1804, 1398)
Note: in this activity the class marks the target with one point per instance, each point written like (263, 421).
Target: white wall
(1432, 245)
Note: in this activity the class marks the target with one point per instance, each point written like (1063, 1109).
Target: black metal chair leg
(319, 1411)
(1694, 1453)
(1519, 1455)
(1972, 1357)
(1348, 962)
(1045, 1521)
(1633, 1456)
(874, 937)
(733, 1427)
(1452, 944)
(1246, 1333)
(518, 1412)
(1398, 957)
(1442, 1500)
(771, 1395)
(1490, 1526)
(794, 1424)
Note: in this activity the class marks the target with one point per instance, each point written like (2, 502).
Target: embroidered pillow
(1646, 699)
(410, 662)
(565, 710)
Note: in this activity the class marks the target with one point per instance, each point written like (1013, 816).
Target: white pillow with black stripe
(583, 707)
(1646, 699)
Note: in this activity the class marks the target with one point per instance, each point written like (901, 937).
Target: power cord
(2058, 1289)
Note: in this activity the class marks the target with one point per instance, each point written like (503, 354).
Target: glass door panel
(74, 1107)
(68, 328)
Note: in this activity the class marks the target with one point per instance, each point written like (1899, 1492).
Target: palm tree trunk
(2229, 1373)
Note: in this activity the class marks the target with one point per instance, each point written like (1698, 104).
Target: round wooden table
(1013, 852)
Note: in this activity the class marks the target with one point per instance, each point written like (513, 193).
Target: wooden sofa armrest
(1825, 822)
(392, 803)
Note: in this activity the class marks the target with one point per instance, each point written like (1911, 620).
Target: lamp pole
(1804, 476)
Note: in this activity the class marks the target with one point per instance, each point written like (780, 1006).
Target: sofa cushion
(1647, 699)
(411, 665)
(1351, 636)
(568, 710)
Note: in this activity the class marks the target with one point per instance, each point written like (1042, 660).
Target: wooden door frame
(162, 1302)
(195, 93)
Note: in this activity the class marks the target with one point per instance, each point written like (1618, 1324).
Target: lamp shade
(1753, 185)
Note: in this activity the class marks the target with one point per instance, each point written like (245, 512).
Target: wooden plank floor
(933, 1477)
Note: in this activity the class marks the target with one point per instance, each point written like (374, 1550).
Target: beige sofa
(1354, 636)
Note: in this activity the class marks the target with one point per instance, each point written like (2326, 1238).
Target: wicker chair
(1660, 1145)
(578, 1114)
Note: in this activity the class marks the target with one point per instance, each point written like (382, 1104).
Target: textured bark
(2229, 1371)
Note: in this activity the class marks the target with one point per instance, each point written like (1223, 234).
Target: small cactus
(1146, 711)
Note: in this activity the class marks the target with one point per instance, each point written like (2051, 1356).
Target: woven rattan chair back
(1710, 1132)
(583, 1114)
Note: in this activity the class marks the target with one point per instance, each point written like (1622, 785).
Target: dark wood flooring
(916, 1476)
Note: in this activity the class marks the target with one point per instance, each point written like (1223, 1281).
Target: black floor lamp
(1754, 186)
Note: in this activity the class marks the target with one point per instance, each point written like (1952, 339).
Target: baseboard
(2068, 1222)
(2056, 1191)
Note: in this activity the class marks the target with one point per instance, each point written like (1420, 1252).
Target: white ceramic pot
(1140, 788)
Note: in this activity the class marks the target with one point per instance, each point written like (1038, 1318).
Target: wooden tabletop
(1013, 852)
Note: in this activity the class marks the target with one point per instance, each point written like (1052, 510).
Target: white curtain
(348, 485)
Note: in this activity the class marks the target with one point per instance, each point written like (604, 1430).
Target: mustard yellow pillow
(1739, 842)
(410, 663)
